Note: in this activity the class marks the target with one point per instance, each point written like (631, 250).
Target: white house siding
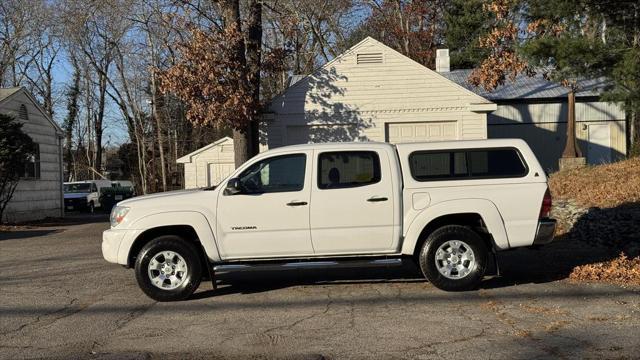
(209, 165)
(543, 126)
(37, 199)
(347, 101)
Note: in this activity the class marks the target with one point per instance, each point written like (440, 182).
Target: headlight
(117, 215)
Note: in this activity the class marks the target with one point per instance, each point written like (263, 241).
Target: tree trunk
(242, 137)
(72, 117)
(254, 52)
(158, 123)
(571, 148)
(241, 142)
(99, 119)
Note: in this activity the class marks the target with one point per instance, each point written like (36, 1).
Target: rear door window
(345, 169)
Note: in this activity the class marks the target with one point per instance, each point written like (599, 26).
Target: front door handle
(377, 199)
(297, 203)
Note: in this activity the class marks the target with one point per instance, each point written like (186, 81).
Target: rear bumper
(545, 232)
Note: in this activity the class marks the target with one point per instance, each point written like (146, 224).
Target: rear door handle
(377, 199)
(297, 203)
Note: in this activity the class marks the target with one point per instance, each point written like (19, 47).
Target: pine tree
(466, 22)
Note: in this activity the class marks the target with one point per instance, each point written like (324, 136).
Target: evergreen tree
(466, 22)
(15, 149)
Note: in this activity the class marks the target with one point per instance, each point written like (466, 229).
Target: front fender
(172, 218)
(485, 208)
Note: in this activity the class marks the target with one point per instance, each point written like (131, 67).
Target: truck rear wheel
(168, 268)
(454, 258)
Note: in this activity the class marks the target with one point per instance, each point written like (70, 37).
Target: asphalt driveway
(59, 299)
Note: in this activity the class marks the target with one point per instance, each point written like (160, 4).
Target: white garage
(209, 165)
(373, 93)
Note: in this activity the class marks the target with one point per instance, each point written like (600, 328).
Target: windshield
(77, 188)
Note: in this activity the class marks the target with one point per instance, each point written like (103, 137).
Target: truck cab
(445, 205)
(84, 195)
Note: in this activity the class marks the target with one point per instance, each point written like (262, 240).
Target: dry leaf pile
(614, 190)
(599, 186)
(621, 270)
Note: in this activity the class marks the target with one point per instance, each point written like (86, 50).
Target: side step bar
(308, 264)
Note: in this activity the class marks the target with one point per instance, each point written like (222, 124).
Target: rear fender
(485, 208)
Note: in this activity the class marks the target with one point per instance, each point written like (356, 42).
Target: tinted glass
(77, 188)
(438, 165)
(344, 169)
(496, 163)
(276, 174)
(466, 164)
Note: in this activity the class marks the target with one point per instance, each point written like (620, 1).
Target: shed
(373, 93)
(39, 193)
(535, 109)
(209, 165)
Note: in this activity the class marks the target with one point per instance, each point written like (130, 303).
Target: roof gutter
(483, 108)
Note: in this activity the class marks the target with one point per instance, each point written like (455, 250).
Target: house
(39, 192)
(369, 93)
(535, 109)
(373, 93)
(208, 165)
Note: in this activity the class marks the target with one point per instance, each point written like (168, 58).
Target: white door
(422, 131)
(351, 203)
(217, 172)
(599, 147)
(270, 215)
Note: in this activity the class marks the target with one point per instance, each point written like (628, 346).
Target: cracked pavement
(60, 299)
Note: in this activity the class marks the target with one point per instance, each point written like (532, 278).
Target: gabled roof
(528, 87)
(296, 79)
(7, 93)
(187, 158)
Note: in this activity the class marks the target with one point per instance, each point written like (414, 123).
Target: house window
(23, 114)
(32, 165)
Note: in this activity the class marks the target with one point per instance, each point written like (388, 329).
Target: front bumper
(111, 240)
(545, 232)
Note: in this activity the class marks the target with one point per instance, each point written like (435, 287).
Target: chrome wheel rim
(167, 270)
(455, 259)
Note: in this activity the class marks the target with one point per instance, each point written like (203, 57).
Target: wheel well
(184, 231)
(472, 220)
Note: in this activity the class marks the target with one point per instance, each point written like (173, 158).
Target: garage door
(304, 134)
(421, 131)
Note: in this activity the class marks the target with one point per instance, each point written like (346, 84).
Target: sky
(115, 131)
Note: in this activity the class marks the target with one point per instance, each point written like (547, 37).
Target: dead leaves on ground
(621, 270)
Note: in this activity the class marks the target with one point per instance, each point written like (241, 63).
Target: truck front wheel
(454, 258)
(168, 268)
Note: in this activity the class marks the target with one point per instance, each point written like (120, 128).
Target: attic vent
(369, 58)
(22, 113)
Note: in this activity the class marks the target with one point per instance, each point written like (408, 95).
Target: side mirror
(233, 187)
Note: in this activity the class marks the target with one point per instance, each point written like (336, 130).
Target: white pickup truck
(446, 205)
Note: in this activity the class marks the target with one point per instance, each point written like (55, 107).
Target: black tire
(187, 250)
(92, 207)
(468, 237)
